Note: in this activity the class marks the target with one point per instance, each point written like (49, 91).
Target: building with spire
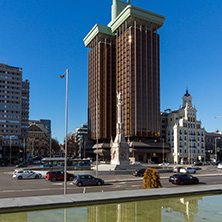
(185, 134)
(123, 57)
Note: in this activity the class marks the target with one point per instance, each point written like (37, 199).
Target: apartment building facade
(185, 134)
(14, 113)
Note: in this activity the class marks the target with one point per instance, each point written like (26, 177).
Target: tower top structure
(124, 12)
(187, 99)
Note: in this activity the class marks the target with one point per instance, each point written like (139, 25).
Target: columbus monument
(119, 148)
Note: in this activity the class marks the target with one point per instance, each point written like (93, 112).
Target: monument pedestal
(113, 167)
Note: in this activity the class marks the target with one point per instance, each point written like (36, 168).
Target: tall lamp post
(216, 148)
(163, 153)
(97, 157)
(33, 141)
(66, 125)
(24, 150)
(50, 145)
(11, 149)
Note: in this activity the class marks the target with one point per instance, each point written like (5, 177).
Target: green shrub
(151, 179)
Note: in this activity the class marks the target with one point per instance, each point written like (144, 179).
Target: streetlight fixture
(66, 125)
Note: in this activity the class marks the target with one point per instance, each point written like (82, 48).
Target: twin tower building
(124, 57)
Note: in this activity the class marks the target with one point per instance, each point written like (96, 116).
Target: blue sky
(45, 37)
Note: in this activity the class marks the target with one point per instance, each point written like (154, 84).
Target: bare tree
(72, 146)
(55, 146)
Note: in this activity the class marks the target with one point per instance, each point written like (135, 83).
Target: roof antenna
(5, 60)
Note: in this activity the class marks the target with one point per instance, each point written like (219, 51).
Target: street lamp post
(24, 151)
(66, 125)
(11, 149)
(33, 141)
(216, 148)
(97, 157)
(50, 145)
(163, 153)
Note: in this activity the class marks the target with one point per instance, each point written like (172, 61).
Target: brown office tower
(124, 58)
(101, 84)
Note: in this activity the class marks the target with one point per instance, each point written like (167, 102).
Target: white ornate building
(185, 134)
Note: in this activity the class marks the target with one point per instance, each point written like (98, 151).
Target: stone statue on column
(119, 148)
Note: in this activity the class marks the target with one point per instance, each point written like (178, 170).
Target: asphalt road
(10, 187)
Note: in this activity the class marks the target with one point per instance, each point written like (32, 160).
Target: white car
(187, 170)
(219, 166)
(163, 164)
(136, 163)
(26, 174)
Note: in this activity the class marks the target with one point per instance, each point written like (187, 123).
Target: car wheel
(141, 175)
(197, 181)
(194, 172)
(53, 179)
(181, 183)
(71, 178)
(37, 177)
(20, 177)
(79, 184)
(99, 183)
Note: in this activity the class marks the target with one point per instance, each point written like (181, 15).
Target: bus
(60, 162)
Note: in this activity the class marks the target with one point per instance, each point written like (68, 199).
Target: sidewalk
(75, 200)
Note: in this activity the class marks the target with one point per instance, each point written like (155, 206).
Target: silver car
(187, 170)
(26, 174)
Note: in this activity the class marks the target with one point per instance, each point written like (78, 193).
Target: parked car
(181, 179)
(206, 163)
(198, 164)
(218, 162)
(21, 165)
(55, 175)
(187, 170)
(82, 180)
(219, 166)
(163, 164)
(139, 173)
(36, 158)
(3, 164)
(26, 174)
(177, 169)
(136, 163)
